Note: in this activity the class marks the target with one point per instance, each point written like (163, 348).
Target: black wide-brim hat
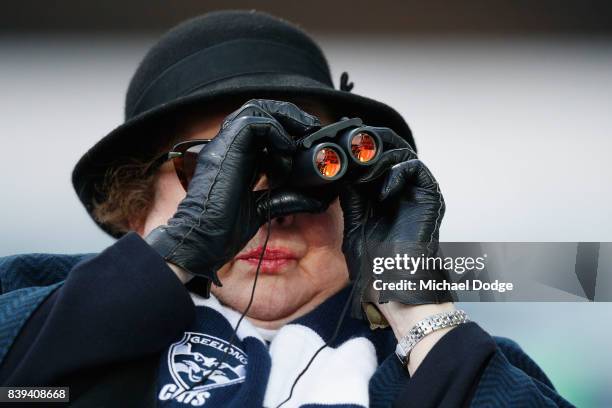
(209, 61)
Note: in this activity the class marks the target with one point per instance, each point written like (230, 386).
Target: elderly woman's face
(303, 264)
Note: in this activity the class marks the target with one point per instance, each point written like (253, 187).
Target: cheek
(324, 263)
(325, 229)
(168, 195)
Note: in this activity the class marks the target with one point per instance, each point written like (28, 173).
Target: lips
(274, 259)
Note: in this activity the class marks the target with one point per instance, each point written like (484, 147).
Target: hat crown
(210, 30)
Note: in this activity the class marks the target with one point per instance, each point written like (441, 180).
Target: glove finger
(274, 137)
(354, 206)
(237, 154)
(411, 173)
(392, 139)
(246, 133)
(285, 202)
(387, 160)
(245, 110)
(296, 121)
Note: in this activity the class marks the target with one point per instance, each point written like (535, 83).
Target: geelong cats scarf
(257, 373)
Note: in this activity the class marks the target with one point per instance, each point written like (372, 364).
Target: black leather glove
(396, 205)
(221, 212)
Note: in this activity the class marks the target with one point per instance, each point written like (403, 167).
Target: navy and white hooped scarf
(257, 374)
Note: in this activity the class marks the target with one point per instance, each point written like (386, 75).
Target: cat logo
(193, 359)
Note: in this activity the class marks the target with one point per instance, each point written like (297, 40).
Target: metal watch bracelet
(426, 326)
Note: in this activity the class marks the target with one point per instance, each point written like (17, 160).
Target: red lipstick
(274, 259)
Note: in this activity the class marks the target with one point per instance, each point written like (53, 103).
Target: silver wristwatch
(424, 327)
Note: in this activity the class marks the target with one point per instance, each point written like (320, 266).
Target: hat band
(227, 60)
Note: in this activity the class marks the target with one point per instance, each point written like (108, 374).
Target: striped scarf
(252, 372)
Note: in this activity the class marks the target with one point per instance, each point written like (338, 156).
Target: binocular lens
(363, 147)
(328, 162)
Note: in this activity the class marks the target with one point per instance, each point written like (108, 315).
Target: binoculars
(336, 150)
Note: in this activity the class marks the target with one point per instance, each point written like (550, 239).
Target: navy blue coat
(466, 368)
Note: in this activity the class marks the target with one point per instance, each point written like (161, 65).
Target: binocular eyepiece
(329, 153)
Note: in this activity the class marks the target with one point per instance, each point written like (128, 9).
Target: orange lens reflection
(328, 162)
(363, 147)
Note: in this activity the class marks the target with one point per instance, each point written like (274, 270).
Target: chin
(277, 298)
(272, 305)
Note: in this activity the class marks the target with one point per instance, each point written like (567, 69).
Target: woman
(137, 325)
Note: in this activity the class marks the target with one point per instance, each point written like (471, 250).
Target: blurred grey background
(509, 102)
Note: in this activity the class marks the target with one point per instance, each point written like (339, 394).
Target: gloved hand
(221, 212)
(396, 204)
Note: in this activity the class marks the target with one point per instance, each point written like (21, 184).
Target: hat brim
(134, 140)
